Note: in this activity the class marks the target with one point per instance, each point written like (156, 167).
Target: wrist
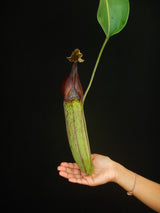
(114, 172)
(124, 177)
(116, 169)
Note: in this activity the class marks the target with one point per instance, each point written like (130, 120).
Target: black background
(122, 109)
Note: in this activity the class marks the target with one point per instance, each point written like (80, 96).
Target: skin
(107, 170)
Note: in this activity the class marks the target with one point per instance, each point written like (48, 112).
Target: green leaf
(112, 15)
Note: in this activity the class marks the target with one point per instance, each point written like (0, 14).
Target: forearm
(145, 190)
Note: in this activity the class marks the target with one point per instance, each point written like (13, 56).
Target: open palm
(103, 171)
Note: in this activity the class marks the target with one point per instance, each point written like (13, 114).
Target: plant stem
(95, 68)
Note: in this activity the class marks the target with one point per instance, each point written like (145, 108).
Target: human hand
(104, 171)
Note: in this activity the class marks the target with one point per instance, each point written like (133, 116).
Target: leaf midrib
(107, 7)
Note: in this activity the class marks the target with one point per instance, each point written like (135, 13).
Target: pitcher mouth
(71, 87)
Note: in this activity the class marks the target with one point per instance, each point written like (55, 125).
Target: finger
(69, 165)
(68, 170)
(68, 175)
(64, 165)
(61, 168)
(63, 174)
